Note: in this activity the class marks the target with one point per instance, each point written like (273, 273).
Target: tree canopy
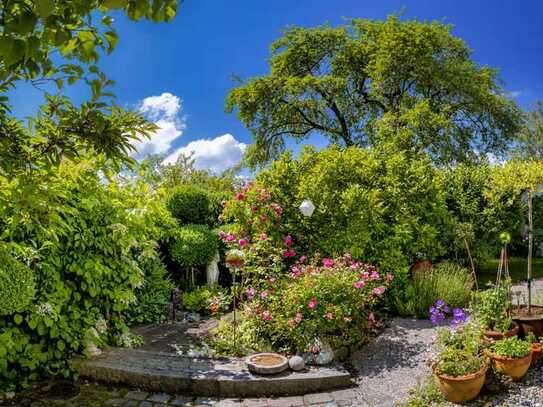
(61, 41)
(409, 83)
(530, 138)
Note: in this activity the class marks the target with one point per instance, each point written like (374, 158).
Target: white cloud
(165, 106)
(165, 112)
(216, 154)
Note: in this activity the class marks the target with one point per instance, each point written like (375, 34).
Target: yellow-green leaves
(44, 8)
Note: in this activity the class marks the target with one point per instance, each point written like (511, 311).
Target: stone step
(170, 373)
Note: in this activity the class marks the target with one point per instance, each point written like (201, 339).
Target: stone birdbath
(267, 363)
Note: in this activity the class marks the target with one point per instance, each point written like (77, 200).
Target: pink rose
(288, 240)
(365, 275)
(240, 196)
(298, 318)
(289, 253)
(291, 322)
(242, 242)
(359, 284)
(264, 294)
(375, 275)
(230, 237)
(328, 263)
(250, 292)
(312, 303)
(329, 316)
(272, 279)
(263, 218)
(378, 290)
(267, 316)
(389, 277)
(263, 236)
(355, 266)
(302, 258)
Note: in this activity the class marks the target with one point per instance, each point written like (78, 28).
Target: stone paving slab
(166, 372)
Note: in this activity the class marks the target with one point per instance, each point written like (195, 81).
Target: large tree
(409, 83)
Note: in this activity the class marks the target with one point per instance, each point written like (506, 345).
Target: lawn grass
(487, 271)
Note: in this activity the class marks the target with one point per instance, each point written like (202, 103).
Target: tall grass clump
(447, 281)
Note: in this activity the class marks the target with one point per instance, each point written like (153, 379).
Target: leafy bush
(193, 245)
(512, 347)
(334, 300)
(491, 308)
(386, 208)
(459, 350)
(85, 244)
(448, 282)
(189, 205)
(17, 284)
(205, 301)
(153, 298)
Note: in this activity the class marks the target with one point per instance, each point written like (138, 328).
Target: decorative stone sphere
(296, 363)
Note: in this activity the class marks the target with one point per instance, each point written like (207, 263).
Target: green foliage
(205, 301)
(459, 350)
(85, 246)
(153, 298)
(404, 83)
(465, 187)
(530, 137)
(491, 308)
(425, 395)
(79, 30)
(193, 245)
(189, 204)
(448, 281)
(379, 206)
(17, 284)
(246, 339)
(512, 347)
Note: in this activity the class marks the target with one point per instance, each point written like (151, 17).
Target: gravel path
(395, 362)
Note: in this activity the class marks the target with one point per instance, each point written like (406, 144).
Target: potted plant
(491, 308)
(460, 367)
(536, 347)
(511, 356)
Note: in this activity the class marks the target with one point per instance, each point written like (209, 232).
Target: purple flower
(459, 316)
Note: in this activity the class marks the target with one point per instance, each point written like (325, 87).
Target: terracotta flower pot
(536, 352)
(461, 389)
(516, 368)
(492, 336)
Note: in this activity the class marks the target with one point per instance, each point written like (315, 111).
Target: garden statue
(212, 271)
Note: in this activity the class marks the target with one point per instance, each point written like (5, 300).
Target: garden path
(395, 362)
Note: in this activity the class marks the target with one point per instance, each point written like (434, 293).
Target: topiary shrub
(193, 245)
(189, 205)
(17, 284)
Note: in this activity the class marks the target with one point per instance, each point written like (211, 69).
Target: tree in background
(409, 83)
(530, 137)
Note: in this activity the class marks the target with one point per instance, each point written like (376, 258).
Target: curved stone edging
(162, 372)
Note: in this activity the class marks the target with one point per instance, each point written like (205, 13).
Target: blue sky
(193, 56)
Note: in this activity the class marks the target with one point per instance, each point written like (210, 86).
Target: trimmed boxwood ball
(189, 205)
(193, 245)
(17, 284)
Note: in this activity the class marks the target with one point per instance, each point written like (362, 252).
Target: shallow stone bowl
(267, 363)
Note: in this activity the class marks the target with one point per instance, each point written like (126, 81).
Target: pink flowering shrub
(333, 299)
(255, 229)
